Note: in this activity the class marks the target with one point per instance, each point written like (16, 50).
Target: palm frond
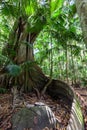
(9, 9)
(55, 6)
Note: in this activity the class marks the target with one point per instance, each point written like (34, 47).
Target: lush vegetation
(54, 28)
(60, 49)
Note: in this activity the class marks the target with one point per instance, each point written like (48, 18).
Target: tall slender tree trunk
(81, 6)
(66, 53)
(51, 58)
(73, 68)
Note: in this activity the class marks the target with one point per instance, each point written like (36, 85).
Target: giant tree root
(76, 118)
(59, 91)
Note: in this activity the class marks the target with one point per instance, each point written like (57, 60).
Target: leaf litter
(60, 107)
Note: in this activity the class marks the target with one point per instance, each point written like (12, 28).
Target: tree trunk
(66, 53)
(20, 51)
(73, 68)
(81, 6)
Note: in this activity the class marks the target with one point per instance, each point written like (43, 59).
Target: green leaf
(56, 13)
(13, 70)
(9, 9)
(55, 6)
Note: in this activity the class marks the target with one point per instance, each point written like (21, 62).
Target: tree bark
(20, 51)
(81, 6)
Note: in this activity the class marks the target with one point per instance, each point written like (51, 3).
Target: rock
(36, 117)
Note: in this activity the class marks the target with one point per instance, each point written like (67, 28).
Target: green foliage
(13, 70)
(3, 90)
(9, 8)
(4, 60)
(55, 6)
(59, 45)
(66, 35)
(84, 82)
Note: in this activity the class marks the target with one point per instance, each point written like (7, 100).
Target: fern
(13, 70)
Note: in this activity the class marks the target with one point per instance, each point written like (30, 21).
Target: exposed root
(17, 98)
(37, 92)
(45, 87)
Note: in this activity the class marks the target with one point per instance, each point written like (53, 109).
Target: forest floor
(61, 107)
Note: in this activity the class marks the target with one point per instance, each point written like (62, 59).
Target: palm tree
(28, 18)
